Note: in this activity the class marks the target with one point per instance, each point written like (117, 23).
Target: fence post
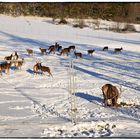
(72, 93)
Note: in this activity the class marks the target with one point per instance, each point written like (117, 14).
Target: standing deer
(43, 50)
(15, 56)
(59, 48)
(8, 57)
(56, 46)
(30, 51)
(105, 48)
(5, 67)
(110, 92)
(45, 69)
(52, 49)
(36, 67)
(90, 52)
(65, 51)
(118, 50)
(19, 63)
(52, 46)
(72, 47)
(78, 54)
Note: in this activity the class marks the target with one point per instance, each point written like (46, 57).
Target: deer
(56, 45)
(59, 48)
(19, 63)
(52, 49)
(110, 92)
(105, 48)
(43, 50)
(45, 69)
(65, 51)
(8, 57)
(30, 51)
(118, 50)
(36, 67)
(72, 47)
(15, 56)
(78, 54)
(90, 52)
(5, 67)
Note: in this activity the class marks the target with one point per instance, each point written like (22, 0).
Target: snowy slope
(39, 106)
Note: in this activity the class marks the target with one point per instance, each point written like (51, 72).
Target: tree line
(119, 11)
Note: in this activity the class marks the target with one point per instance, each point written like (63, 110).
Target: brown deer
(52, 50)
(19, 63)
(105, 48)
(72, 47)
(118, 50)
(65, 51)
(45, 69)
(90, 52)
(8, 57)
(50, 47)
(30, 51)
(56, 45)
(5, 67)
(43, 50)
(110, 92)
(36, 67)
(59, 48)
(15, 56)
(78, 54)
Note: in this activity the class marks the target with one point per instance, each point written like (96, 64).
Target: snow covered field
(39, 106)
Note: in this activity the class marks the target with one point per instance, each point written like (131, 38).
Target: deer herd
(109, 91)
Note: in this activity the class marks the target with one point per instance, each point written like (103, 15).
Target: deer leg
(42, 73)
(8, 71)
(114, 101)
(50, 74)
(1, 73)
(116, 98)
(111, 102)
(105, 101)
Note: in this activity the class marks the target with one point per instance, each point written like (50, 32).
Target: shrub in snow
(62, 21)
(80, 23)
(129, 27)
